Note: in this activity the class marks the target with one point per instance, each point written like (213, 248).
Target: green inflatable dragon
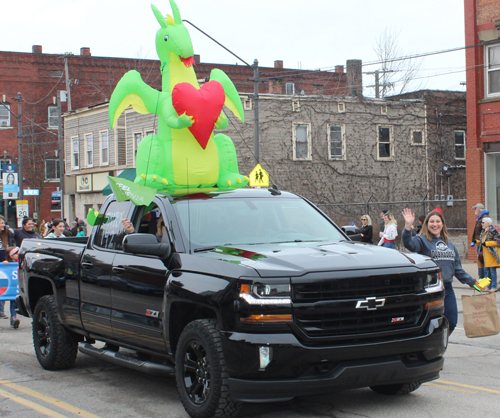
(185, 153)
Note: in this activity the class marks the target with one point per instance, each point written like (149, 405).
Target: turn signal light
(436, 304)
(267, 318)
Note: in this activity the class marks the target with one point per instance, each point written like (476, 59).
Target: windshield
(214, 222)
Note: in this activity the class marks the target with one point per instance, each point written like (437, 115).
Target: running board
(149, 367)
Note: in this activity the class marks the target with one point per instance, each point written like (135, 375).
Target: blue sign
(9, 285)
(31, 192)
(10, 181)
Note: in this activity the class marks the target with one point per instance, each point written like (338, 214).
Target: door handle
(87, 265)
(118, 270)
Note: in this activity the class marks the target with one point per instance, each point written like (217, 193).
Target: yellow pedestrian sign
(258, 177)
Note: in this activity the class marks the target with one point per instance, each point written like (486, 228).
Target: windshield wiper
(197, 250)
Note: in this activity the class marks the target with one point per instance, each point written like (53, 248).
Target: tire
(202, 380)
(55, 347)
(397, 389)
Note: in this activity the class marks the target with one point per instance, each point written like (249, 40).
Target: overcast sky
(304, 34)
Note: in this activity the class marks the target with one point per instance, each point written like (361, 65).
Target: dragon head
(173, 37)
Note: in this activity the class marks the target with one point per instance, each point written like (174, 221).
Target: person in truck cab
(26, 231)
(434, 241)
(127, 225)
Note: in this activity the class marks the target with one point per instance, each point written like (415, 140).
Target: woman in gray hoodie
(434, 241)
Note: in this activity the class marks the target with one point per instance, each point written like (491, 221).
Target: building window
(103, 138)
(295, 105)
(137, 140)
(75, 151)
(52, 169)
(493, 70)
(417, 137)
(150, 132)
(301, 141)
(459, 145)
(290, 89)
(53, 117)
(4, 115)
(247, 103)
(89, 150)
(336, 144)
(383, 110)
(385, 143)
(341, 107)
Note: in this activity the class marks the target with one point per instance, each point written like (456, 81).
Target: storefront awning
(128, 174)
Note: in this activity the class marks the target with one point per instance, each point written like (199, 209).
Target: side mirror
(145, 244)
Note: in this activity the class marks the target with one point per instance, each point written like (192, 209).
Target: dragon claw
(143, 176)
(238, 180)
(164, 181)
(229, 183)
(155, 177)
(246, 178)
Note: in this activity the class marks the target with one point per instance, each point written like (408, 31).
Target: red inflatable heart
(204, 105)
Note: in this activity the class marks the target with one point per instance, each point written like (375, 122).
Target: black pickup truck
(250, 295)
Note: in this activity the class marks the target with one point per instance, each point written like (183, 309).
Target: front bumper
(298, 370)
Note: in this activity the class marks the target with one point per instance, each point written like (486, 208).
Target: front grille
(328, 308)
(358, 321)
(359, 287)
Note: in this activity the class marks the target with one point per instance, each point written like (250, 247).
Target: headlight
(433, 283)
(264, 294)
(265, 303)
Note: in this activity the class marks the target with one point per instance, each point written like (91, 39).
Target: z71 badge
(151, 313)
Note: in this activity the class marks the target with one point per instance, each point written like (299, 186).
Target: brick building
(330, 150)
(38, 77)
(482, 36)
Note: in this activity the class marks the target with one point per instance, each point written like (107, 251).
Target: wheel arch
(37, 288)
(181, 314)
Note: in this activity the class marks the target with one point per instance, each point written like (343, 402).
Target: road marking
(445, 382)
(448, 388)
(32, 405)
(47, 399)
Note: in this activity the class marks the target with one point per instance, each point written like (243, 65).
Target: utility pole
(377, 82)
(19, 115)
(66, 73)
(60, 152)
(255, 67)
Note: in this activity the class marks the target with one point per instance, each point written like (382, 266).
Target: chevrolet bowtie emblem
(370, 304)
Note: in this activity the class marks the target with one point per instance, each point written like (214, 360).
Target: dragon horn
(175, 11)
(161, 20)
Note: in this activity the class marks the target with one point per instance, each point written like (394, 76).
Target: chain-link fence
(455, 214)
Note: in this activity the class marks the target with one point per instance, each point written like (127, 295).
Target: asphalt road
(469, 386)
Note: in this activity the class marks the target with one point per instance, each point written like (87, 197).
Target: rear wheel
(202, 380)
(396, 389)
(55, 347)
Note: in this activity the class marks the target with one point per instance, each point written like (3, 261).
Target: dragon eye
(166, 38)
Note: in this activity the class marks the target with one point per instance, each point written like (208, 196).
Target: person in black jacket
(366, 230)
(26, 231)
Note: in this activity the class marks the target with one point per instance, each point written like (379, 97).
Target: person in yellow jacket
(489, 241)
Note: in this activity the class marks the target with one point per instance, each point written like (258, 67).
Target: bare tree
(398, 73)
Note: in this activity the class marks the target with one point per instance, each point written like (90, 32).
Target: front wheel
(202, 380)
(396, 389)
(55, 347)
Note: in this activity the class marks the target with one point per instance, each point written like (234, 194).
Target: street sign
(22, 208)
(31, 192)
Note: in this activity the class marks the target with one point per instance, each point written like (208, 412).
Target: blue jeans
(389, 245)
(491, 272)
(480, 270)
(450, 306)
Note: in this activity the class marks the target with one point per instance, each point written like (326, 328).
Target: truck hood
(296, 259)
